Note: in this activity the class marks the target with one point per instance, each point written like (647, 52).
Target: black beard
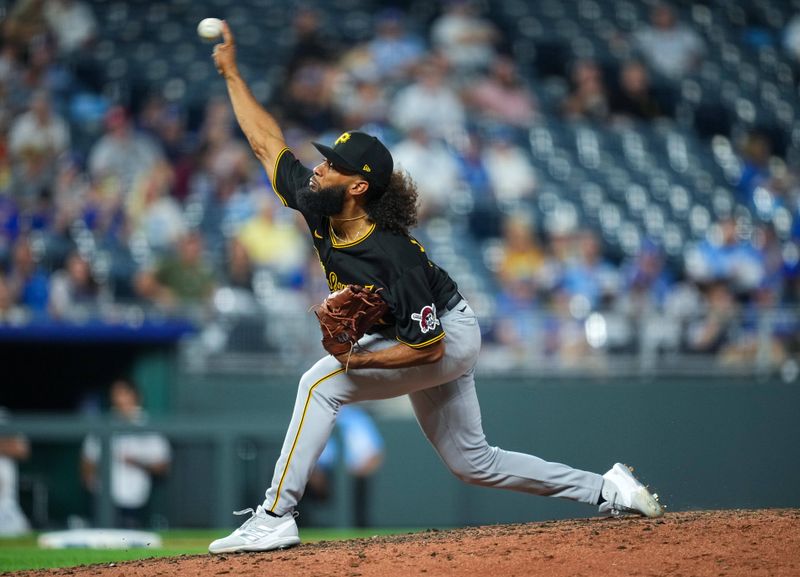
(328, 201)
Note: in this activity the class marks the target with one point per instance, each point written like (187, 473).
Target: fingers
(227, 36)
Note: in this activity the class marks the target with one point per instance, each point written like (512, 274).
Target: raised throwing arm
(259, 126)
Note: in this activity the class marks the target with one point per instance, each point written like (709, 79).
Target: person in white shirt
(672, 49)
(123, 153)
(13, 522)
(415, 154)
(465, 39)
(429, 102)
(135, 458)
(72, 23)
(511, 173)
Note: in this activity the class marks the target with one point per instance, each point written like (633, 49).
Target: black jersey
(415, 288)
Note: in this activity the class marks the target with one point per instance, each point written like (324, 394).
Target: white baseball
(209, 28)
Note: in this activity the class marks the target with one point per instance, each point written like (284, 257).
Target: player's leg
(323, 389)
(272, 524)
(450, 417)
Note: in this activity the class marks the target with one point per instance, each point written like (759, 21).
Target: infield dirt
(706, 543)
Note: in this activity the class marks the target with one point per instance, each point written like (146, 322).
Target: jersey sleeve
(417, 320)
(289, 175)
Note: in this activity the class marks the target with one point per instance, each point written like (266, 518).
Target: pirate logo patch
(426, 318)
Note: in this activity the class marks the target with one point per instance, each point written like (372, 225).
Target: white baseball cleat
(623, 493)
(261, 532)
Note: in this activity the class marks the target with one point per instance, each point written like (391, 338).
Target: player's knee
(474, 467)
(316, 386)
(306, 382)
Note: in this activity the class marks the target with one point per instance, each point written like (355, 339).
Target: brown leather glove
(346, 315)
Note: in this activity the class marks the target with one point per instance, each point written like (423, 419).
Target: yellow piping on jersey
(297, 435)
(425, 344)
(275, 175)
(346, 244)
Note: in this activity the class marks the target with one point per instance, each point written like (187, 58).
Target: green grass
(22, 553)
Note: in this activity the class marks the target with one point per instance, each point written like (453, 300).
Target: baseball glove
(346, 315)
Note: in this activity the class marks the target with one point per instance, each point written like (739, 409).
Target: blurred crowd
(163, 209)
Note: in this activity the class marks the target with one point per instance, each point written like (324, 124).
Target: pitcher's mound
(706, 543)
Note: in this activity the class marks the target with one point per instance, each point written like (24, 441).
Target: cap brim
(334, 157)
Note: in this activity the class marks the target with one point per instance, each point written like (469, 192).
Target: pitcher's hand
(225, 53)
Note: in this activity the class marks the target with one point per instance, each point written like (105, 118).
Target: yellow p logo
(343, 138)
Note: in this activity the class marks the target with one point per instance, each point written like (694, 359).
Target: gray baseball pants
(446, 406)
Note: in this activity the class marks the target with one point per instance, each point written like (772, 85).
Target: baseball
(209, 28)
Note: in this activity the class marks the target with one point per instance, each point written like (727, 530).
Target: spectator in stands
(485, 217)
(9, 312)
(713, 329)
(122, 154)
(153, 213)
(40, 130)
(136, 458)
(501, 96)
(74, 292)
(27, 281)
(239, 268)
(362, 101)
(672, 49)
(13, 449)
(518, 320)
(646, 284)
(219, 152)
(522, 257)
(429, 102)
(73, 24)
(768, 244)
(24, 23)
(588, 97)
(755, 154)
(633, 96)
(308, 96)
(175, 139)
(472, 168)
(791, 38)
(44, 71)
(273, 241)
(509, 167)
(464, 38)
(591, 279)
(360, 445)
(12, 98)
(103, 210)
(166, 122)
(519, 273)
(311, 42)
(70, 190)
(9, 223)
(646, 281)
(725, 257)
(394, 51)
(416, 154)
(181, 281)
(37, 138)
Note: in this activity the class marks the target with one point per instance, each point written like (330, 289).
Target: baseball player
(359, 212)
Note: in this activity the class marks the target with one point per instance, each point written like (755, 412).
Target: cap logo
(342, 139)
(366, 168)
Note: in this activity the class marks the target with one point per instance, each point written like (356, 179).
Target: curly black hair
(396, 209)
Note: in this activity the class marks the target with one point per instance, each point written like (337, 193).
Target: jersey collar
(347, 244)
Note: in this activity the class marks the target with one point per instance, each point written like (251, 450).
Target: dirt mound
(718, 543)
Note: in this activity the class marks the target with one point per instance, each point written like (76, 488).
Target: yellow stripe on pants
(297, 436)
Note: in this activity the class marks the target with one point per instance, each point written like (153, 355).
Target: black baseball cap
(361, 153)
